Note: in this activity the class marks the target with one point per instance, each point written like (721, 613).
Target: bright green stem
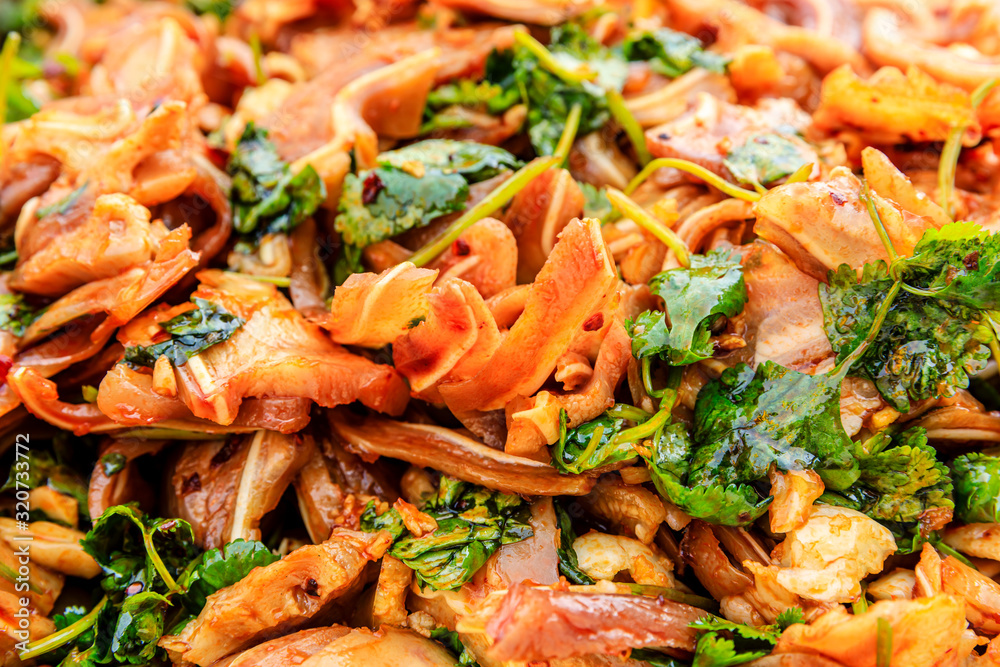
(620, 112)
(492, 203)
(258, 56)
(568, 135)
(8, 257)
(883, 235)
(643, 430)
(709, 177)
(801, 174)
(10, 575)
(880, 316)
(883, 643)
(67, 634)
(995, 330)
(549, 62)
(644, 219)
(158, 564)
(10, 47)
(647, 378)
(629, 412)
(952, 148)
(278, 281)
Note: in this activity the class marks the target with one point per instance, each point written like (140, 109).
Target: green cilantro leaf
(474, 162)
(713, 286)
(591, 445)
(16, 314)
(219, 568)
(569, 565)
(672, 53)
(191, 332)
(452, 642)
(747, 420)
(764, 159)
(473, 522)
(267, 197)
(977, 488)
(926, 348)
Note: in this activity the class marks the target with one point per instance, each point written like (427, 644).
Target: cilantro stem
(647, 379)
(158, 564)
(628, 123)
(860, 605)
(946, 549)
(549, 62)
(708, 604)
(641, 217)
(10, 256)
(883, 234)
(995, 340)
(258, 55)
(10, 47)
(629, 412)
(568, 135)
(801, 174)
(67, 634)
(880, 315)
(493, 202)
(279, 281)
(709, 177)
(883, 643)
(948, 163)
(10, 575)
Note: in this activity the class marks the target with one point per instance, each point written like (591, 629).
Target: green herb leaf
(475, 162)
(219, 568)
(267, 198)
(977, 488)
(473, 523)
(16, 315)
(900, 479)
(453, 643)
(113, 463)
(926, 348)
(591, 445)
(672, 53)
(695, 297)
(747, 420)
(138, 628)
(764, 159)
(191, 332)
(550, 98)
(220, 8)
(597, 203)
(44, 469)
(385, 201)
(716, 651)
(569, 564)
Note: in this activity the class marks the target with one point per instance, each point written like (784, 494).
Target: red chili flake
(372, 186)
(838, 198)
(461, 247)
(311, 587)
(594, 322)
(5, 364)
(971, 261)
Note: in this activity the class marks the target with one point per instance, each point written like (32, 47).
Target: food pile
(500, 333)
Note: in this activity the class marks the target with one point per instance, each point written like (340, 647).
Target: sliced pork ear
(485, 255)
(374, 310)
(783, 312)
(41, 397)
(536, 216)
(332, 476)
(840, 230)
(122, 296)
(387, 646)
(291, 649)
(543, 624)
(546, 12)
(578, 279)
(116, 236)
(454, 342)
(455, 455)
(304, 586)
(712, 122)
(202, 486)
(535, 423)
(124, 485)
(275, 353)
